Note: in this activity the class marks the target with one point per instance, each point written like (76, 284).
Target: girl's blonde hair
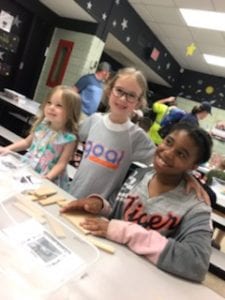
(71, 102)
(138, 75)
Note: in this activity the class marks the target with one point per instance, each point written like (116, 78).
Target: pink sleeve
(144, 242)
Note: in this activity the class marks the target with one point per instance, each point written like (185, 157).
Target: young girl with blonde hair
(53, 136)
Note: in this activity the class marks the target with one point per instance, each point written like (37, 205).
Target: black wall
(36, 28)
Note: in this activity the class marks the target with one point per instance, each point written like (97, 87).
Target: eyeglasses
(130, 97)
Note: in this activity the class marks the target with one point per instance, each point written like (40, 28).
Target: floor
(214, 282)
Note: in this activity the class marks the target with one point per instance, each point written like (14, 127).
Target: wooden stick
(51, 200)
(29, 204)
(56, 227)
(29, 212)
(101, 245)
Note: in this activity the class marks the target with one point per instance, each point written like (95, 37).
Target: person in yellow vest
(161, 108)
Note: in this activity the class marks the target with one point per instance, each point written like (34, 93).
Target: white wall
(86, 53)
(208, 123)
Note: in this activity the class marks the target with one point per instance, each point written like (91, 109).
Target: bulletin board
(9, 41)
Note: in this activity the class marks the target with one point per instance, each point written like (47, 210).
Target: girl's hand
(193, 184)
(91, 205)
(4, 150)
(98, 227)
(46, 177)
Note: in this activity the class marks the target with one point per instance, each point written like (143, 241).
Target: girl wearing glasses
(113, 142)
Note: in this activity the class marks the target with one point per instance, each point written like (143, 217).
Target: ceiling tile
(205, 35)
(219, 5)
(195, 4)
(166, 15)
(176, 31)
(154, 2)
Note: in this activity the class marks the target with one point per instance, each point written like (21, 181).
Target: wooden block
(30, 197)
(29, 212)
(44, 191)
(51, 200)
(101, 245)
(76, 218)
(56, 227)
(62, 203)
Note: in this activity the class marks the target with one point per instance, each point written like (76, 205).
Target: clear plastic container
(38, 260)
(16, 174)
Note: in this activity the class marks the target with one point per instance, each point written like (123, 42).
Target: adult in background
(199, 112)
(160, 108)
(90, 88)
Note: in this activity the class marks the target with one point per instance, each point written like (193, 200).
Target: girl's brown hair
(71, 102)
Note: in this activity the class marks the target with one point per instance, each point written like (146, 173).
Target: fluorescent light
(204, 19)
(215, 60)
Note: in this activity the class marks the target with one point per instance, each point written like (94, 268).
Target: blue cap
(206, 106)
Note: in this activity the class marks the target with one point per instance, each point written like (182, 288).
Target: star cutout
(127, 39)
(89, 5)
(117, 2)
(114, 23)
(167, 66)
(1, 55)
(190, 49)
(104, 16)
(124, 24)
(16, 21)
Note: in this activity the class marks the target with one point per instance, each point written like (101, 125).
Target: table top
(27, 105)
(125, 275)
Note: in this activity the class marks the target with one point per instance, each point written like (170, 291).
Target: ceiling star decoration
(114, 23)
(89, 5)
(16, 21)
(104, 16)
(124, 24)
(190, 49)
(1, 55)
(128, 39)
(117, 2)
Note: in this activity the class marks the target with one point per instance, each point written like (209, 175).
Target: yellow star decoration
(190, 49)
(209, 89)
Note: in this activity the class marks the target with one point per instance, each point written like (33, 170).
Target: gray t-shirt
(109, 151)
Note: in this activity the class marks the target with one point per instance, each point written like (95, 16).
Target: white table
(127, 276)
(27, 105)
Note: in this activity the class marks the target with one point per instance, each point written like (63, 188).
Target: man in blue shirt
(198, 112)
(90, 88)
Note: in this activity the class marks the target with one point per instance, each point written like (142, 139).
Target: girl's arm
(62, 162)
(186, 254)
(21, 145)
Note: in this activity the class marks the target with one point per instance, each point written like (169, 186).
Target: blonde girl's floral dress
(46, 149)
